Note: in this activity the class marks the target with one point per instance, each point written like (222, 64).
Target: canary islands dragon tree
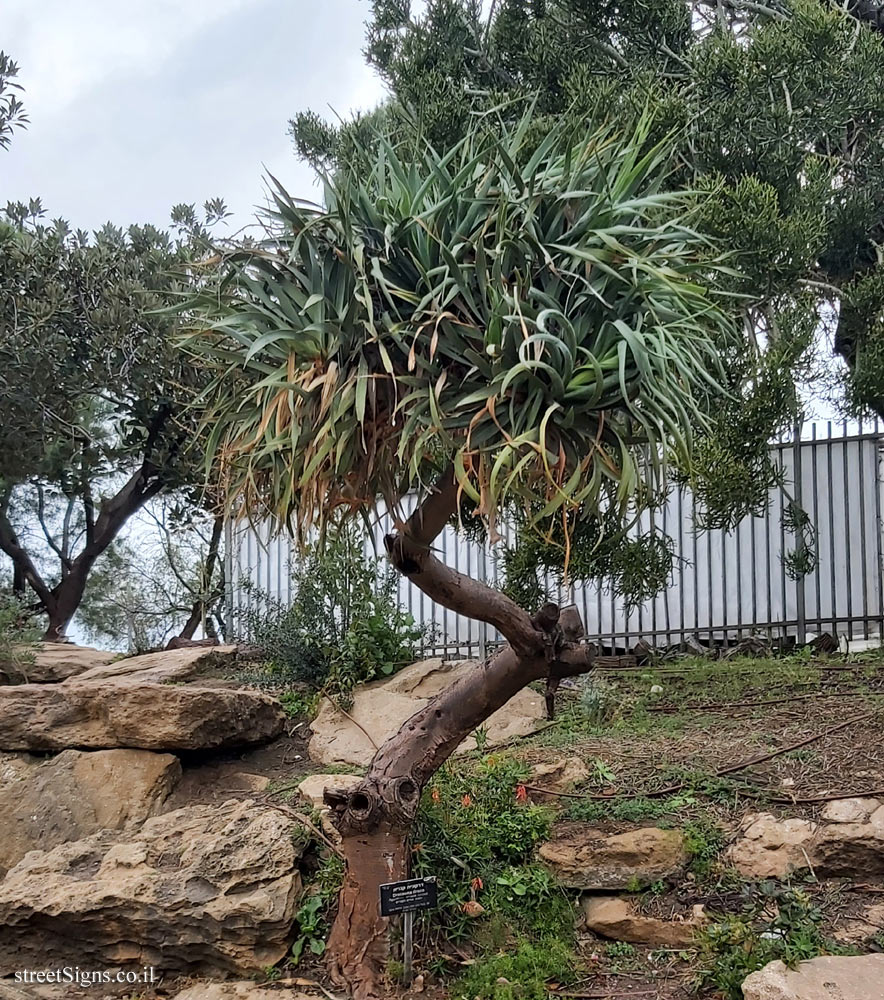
(524, 322)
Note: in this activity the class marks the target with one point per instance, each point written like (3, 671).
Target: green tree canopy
(95, 397)
(779, 109)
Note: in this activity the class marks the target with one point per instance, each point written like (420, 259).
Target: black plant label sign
(409, 895)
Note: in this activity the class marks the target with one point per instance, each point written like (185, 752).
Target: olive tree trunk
(374, 818)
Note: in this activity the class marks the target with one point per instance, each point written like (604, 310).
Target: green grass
(521, 974)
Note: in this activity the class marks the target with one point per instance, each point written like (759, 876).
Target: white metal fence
(724, 584)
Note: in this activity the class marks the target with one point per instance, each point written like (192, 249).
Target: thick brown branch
(464, 595)
(431, 735)
(22, 562)
(434, 512)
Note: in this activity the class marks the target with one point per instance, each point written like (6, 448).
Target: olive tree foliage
(95, 397)
(777, 111)
(12, 110)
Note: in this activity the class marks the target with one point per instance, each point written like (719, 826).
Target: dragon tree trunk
(375, 817)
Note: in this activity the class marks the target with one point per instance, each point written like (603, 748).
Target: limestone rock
(849, 810)
(142, 716)
(311, 790)
(244, 781)
(615, 918)
(851, 849)
(11, 990)
(771, 847)
(204, 889)
(57, 661)
(829, 977)
(558, 776)
(44, 804)
(380, 709)
(163, 667)
(280, 990)
(582, 857)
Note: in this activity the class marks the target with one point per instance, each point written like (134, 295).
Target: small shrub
(598, 700)
(296, 704)
(344, 625)
(777, 923)
(523, 974)
(704, 841)
(312, 928)
(312, 919)
(620, 949)
(19, 636)
(476, 831)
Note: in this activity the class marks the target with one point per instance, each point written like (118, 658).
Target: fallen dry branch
(872, 793)
(344, 712)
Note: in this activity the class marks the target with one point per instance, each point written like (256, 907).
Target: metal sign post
(407, 897)
(407, 946)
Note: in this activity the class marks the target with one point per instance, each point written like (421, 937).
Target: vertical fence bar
(879, 529)
(816, 515)
(800, 596)
(831, 502)
(846, 535)
(861, 464)
(482, 569)
(784, 608)
(229, 591)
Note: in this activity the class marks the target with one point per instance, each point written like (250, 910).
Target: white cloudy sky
(136, 105)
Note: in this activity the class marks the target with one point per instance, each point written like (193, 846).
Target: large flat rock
(830, 977)
(164, 667)
(582, 857)
(850, 840)
(770, 847)
(52, 662)
(207, 890)
(47, 803)
(616, 918)
(141, 716)
(379, 709)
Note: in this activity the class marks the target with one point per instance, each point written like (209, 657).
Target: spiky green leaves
(538, 314)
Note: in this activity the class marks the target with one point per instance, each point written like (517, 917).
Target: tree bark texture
(375, 816)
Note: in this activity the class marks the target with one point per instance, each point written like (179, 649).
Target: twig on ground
(872, 793)
(343, 711)
(306, 821)
(752, 704)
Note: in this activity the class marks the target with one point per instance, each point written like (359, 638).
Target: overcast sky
(136, 105)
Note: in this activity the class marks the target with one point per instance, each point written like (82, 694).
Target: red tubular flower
(521, 793)
(466, 801)
(477, 884)
(435, 796)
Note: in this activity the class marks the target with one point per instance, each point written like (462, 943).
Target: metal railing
(725, 584)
